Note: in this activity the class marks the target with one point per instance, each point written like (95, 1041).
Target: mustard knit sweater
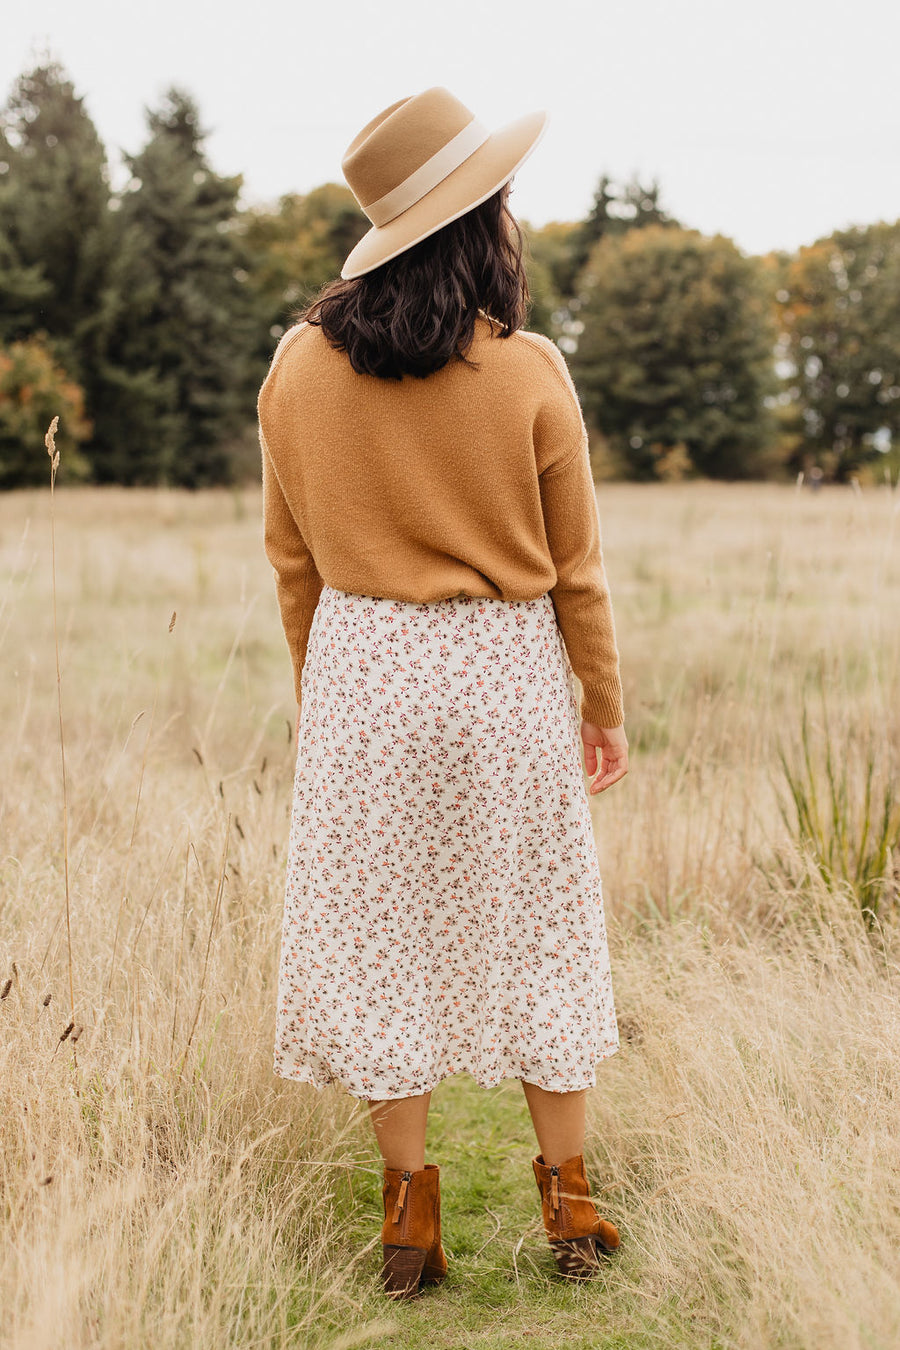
(468, 482)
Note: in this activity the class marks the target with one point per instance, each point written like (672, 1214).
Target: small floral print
(444, 909)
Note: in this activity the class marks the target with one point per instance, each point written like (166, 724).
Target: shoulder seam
(286, 341)
(565, 380)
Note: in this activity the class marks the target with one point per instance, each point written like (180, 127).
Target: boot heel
(576, 1258)
(401, 1270)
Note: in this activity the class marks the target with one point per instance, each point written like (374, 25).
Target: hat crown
(397, 146)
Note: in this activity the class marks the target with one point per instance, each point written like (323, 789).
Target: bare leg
(558, 1119)
(399, 1125)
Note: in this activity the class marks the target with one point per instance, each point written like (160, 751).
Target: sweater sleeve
(581, 594)
(297, 580)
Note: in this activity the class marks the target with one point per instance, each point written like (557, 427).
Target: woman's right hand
(613, 746)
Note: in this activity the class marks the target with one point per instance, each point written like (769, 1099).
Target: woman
(431, 520)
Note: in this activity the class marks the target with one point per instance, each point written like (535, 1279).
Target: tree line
(146, 317)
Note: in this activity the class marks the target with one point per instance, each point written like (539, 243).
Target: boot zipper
(401, 1202)
(554, 1190)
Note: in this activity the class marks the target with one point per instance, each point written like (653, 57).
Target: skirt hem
(305, 1074)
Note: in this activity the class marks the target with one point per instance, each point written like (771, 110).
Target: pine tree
(614, 211)
(185, 340)
(57, 234)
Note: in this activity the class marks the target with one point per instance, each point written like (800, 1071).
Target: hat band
(429, 174)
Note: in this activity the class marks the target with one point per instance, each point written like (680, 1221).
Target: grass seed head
(50, 443)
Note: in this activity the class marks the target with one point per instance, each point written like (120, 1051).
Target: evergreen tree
(185, 338)
(614, 211)
(57, 234)
(676, 361)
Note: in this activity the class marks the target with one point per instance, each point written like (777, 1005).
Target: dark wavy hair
(414, 313)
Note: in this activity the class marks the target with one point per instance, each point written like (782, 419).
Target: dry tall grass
(161, 1185)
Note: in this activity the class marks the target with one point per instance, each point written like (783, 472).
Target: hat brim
(477, 178)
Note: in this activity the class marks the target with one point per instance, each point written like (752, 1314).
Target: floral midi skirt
(443, 909)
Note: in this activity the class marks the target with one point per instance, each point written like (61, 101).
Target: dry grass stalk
(744, 1136)
(50, 444)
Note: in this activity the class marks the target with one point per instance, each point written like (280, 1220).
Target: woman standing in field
(431, 519)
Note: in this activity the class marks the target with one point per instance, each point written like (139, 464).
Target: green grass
(502, 1288)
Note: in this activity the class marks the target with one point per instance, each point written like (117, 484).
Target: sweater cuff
(602, 703)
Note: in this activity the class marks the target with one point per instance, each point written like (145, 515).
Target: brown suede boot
(575, 1230)
(411, 1232)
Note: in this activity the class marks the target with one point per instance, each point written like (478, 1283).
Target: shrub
(33, 390)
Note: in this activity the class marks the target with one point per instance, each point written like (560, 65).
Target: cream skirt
(444, 909)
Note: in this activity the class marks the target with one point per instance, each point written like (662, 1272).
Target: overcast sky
(773, 121)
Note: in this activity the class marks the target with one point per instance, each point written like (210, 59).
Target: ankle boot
(575, 1230)
(411, 1233)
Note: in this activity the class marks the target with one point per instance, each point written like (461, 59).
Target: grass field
(161, 1187)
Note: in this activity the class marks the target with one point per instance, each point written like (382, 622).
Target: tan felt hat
(423, 162)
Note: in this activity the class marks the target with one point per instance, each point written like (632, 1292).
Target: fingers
(614, 771)
(607, 781)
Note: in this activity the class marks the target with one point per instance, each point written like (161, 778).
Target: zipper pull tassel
(554, 1189)
(401, 1196)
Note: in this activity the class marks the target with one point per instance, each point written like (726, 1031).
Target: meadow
(160, 1185)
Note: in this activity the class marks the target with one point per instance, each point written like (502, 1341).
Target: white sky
(774, 122)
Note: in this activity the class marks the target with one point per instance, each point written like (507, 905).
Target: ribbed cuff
(602, 703)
